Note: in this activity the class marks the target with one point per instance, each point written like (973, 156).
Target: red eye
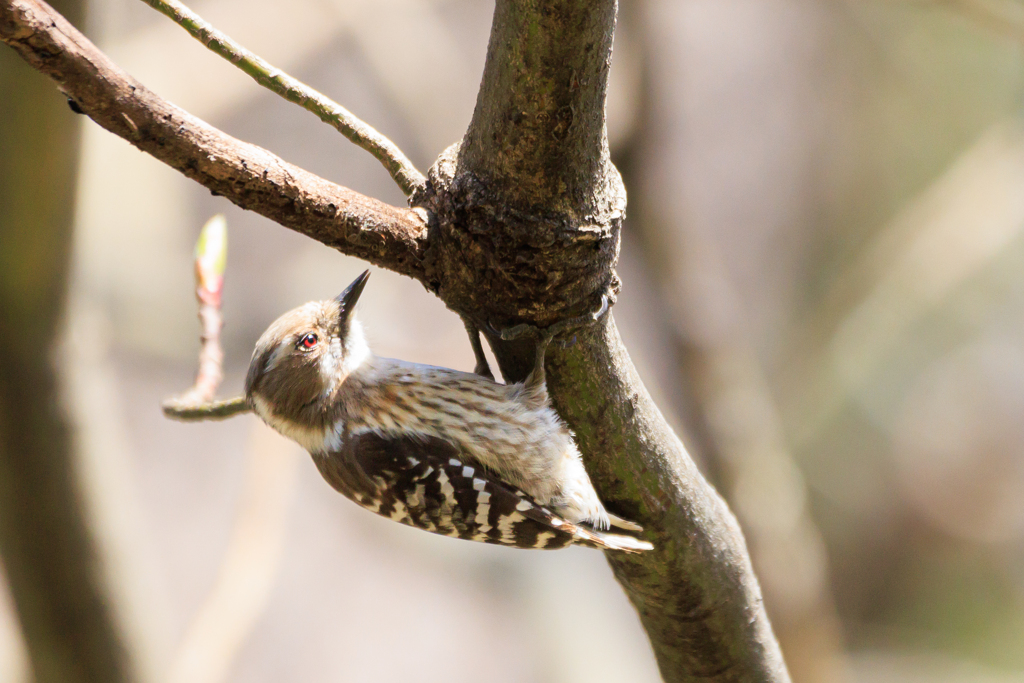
(309, 341)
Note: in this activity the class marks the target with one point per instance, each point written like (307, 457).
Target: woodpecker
(449, 452)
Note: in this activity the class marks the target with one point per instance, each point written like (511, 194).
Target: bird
(450, 452)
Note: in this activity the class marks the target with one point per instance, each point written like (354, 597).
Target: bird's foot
(546, 334)
(483, 368)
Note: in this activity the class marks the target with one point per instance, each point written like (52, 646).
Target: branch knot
(514, 262)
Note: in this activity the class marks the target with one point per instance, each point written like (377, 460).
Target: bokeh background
(823, 287)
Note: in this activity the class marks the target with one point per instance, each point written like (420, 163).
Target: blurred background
(823, 287)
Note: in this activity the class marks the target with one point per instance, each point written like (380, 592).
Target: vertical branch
(211, 259)
(538, 128)
(210, 262)
(48, 545)
(529, 210)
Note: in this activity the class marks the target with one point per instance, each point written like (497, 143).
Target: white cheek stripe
(332, 441)
(313, 440)
(328, 366)
(400, 512)
(357, 351)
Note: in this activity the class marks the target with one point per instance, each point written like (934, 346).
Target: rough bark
(526, 214)
(48, 550)
(248, 175)
(528, 211)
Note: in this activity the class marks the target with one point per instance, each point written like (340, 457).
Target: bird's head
(304, 356)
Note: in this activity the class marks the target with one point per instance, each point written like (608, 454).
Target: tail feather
(586, 533)
(606, 541)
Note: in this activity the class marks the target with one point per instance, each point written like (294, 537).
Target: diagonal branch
(529, 211)
(250, 176)
(348, 124)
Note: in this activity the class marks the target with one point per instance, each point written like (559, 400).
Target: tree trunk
(48, 551)
(528, 211)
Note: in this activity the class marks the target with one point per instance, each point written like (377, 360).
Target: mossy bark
(527, 214)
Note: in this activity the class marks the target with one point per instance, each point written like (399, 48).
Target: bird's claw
(516, 331)
(551, 331)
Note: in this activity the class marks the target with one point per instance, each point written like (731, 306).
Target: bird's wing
(425, 483)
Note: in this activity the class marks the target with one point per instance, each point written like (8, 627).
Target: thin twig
(362, 134)
(213, 410)
(210, 261)
(387, 236)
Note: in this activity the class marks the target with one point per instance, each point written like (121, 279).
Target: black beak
(350, 296)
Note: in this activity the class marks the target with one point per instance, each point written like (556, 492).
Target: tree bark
(248, 175)
(524, 218)
(528, 212)
(48, 550)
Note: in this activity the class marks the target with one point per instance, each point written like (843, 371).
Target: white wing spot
(479, 484)
(400, 512)
(505, 524)
(415, 497)
(446, 487)
(543, 538)
(483, 509)
(454, 463)
(467, 471)
(523, 505)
